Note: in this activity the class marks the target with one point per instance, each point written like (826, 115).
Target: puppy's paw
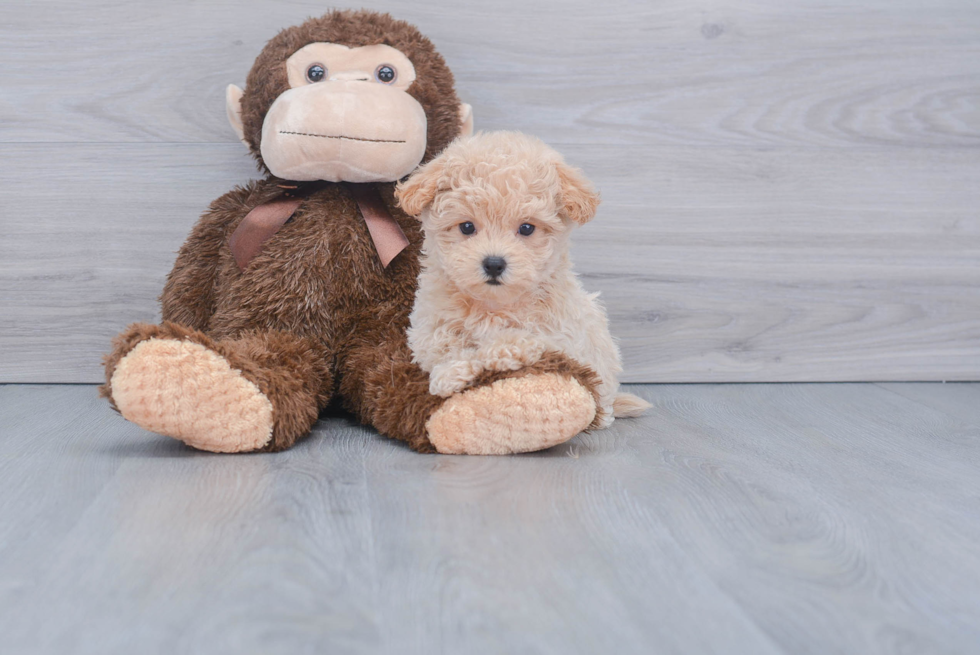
(513, 355)
(452, 377)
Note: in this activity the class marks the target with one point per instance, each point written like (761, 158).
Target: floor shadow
(149, 445)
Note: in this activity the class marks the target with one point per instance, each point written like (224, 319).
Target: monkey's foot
(512, 415)
(184, 390)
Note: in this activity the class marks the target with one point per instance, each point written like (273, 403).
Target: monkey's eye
(467, 228)
(385, 74)
(526, 229)
(316, 73)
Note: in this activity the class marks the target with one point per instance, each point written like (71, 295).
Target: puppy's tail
(626, 405)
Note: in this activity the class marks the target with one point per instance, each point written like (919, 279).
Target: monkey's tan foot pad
(186, 391)
(512, 415)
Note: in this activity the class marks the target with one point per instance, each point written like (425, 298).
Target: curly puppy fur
(467, 321)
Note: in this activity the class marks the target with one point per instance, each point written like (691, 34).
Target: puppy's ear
(578, 199)
(419, 190)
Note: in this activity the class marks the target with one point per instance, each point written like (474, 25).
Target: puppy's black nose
(494, 266)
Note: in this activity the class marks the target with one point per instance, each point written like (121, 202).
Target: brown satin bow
(262, 223)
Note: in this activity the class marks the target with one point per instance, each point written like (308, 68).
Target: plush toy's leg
(382, 386)
(261, 391)
(511, 412)
(537, 407)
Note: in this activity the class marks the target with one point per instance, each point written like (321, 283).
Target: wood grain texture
(750, 518)
(816, 491)
(790, 188)
(675, 72)
(747, 284)
(959, 400)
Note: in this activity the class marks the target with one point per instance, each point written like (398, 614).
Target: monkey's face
(351, 96)
(346, 116)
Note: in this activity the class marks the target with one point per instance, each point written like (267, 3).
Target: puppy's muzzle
(494, 267)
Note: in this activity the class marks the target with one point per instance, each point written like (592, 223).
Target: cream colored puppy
(497, 288)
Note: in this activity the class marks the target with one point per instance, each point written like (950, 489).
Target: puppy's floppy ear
(578, 198)
(419, 190)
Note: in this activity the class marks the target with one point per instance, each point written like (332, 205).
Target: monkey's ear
(578, 199)
(418, 191)
(233, 106)
(465, 119)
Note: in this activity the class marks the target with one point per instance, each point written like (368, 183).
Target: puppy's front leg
(454, 375)
(513, 350)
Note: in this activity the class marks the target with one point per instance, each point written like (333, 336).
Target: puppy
(497, 289)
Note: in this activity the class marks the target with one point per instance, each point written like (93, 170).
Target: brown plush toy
(297, 288)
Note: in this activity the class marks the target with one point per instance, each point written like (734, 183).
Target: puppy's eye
(385, 74)
(316, 73)
(467, 228)
(525, 230)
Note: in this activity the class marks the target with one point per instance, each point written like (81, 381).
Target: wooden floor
(799, 518)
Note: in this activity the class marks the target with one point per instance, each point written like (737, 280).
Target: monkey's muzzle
(344, 131)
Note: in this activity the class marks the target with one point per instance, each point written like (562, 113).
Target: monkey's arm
(188, 297)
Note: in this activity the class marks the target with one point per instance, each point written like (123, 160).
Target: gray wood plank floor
(801, 518)
(790, 186)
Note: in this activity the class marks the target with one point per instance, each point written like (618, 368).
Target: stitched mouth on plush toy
(341, 136)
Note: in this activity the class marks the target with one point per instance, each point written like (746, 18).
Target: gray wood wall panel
(791, 189)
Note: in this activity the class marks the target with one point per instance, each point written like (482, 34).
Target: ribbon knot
(263, 221)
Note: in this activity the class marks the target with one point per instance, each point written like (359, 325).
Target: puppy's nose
(494, 266)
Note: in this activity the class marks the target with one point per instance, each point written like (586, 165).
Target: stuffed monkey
(297, 288)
